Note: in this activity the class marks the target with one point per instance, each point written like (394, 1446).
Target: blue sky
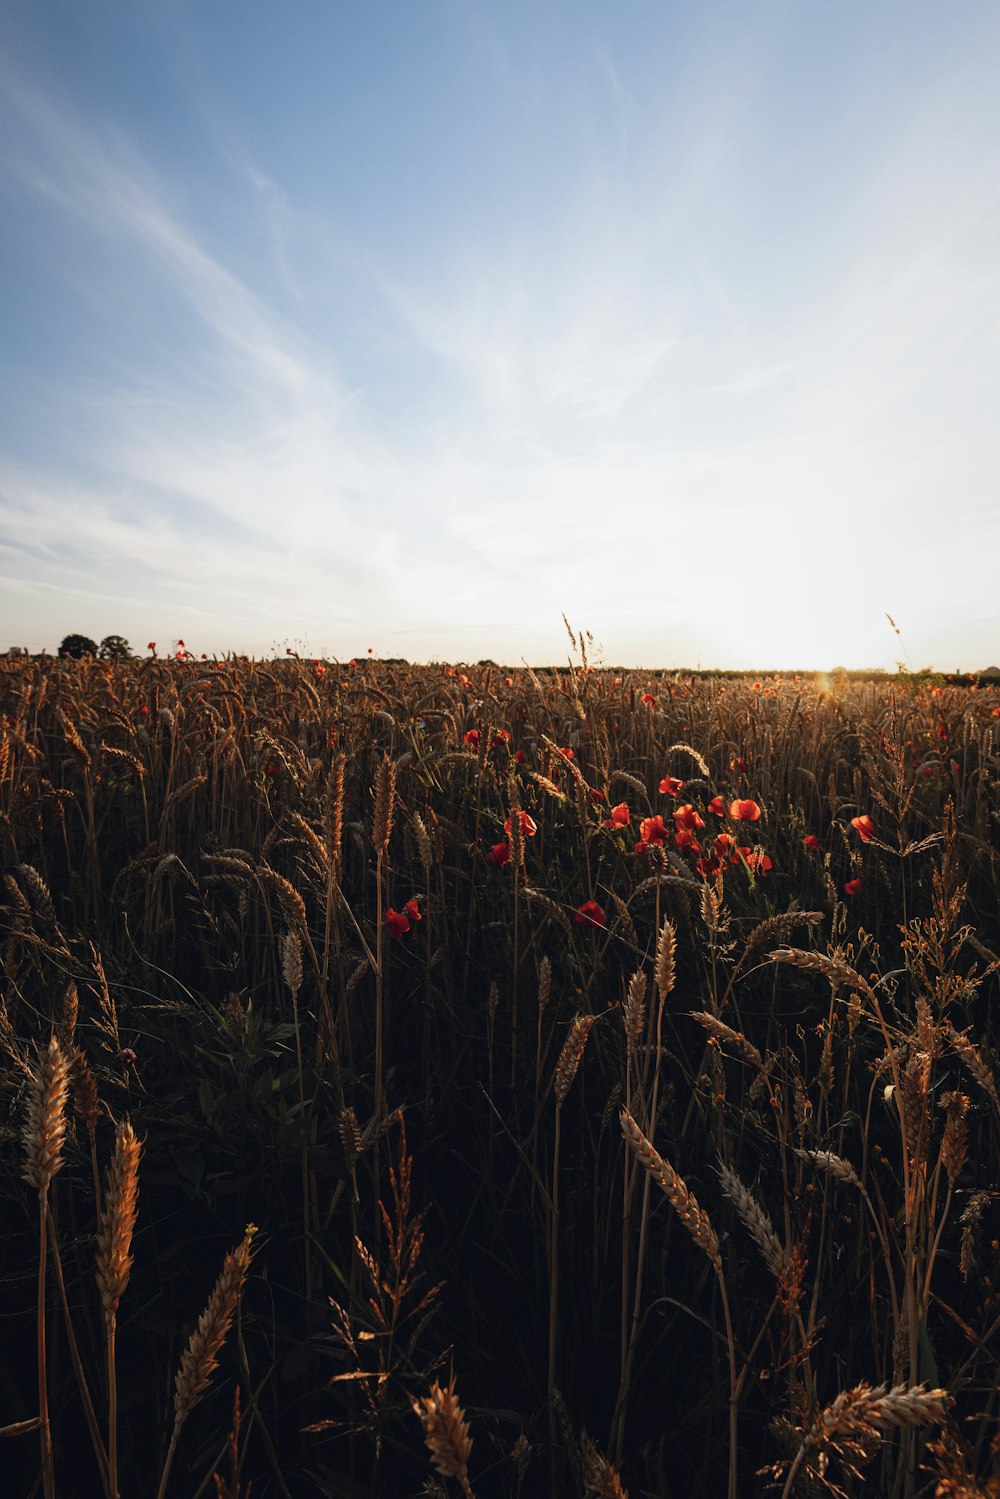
(415, 325)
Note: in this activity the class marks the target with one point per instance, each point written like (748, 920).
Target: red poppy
(520, 756)
(724, 843)
(500, 737)
(151, 646)
(567, 754)
(995, 713)
(652, 830)
(810, 841)
(684, 838)
(412, 910)
(499, 854)
(744, 811)
(272, 770)
(181, 645)
(649, 699)
(590, 912)
(353, 665)
(670, 785)
(397, 923)
(717, 807)
(528, 825)
(755, 687)
(143, 711)
(620, 817)
(707, 868)
(471, 736)
(597, 795)
(737, 763)
(852, 887)
(758, 861)
(686, 817)
(864, 826)
(508, 681)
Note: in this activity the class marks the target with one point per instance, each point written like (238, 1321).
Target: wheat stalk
(116, 1224)
(201, 1355)
(44, 1133)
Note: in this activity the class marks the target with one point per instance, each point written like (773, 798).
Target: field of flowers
(425, 1080)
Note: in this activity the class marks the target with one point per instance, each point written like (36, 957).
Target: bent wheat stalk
(699, 1226)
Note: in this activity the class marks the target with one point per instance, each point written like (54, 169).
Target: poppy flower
(508, 681)
(707, 868)
(499, 854)
(567, 754)
(756, 687)
(852, 887)
(520, 757)
(649, 700)
(864, 826)
(744, 811)
(995, 713)
(758, 861)
(590, 913)
(684, 838)
(686, 817)
(670, 785)
(500, 737)
(181, 645)
(724, 844)
(471, 736)
(652, 830)
(412, 910)
(620, 817)
(143, 711)
(152, 646)
(737, 763)
(717, 807)
(810, 841)
(597, 795)
(528, 826)
(397, 923)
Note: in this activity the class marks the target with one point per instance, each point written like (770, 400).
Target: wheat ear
(44, 1134)
(116, 1224)
(201, 1356)
(446, 1432)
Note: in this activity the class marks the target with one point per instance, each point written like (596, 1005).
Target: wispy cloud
(703, 432)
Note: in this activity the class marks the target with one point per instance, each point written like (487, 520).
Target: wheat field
(428, 1079)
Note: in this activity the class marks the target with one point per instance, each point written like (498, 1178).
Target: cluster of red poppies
(400, 922)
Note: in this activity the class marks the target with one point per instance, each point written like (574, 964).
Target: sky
(417, 324)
